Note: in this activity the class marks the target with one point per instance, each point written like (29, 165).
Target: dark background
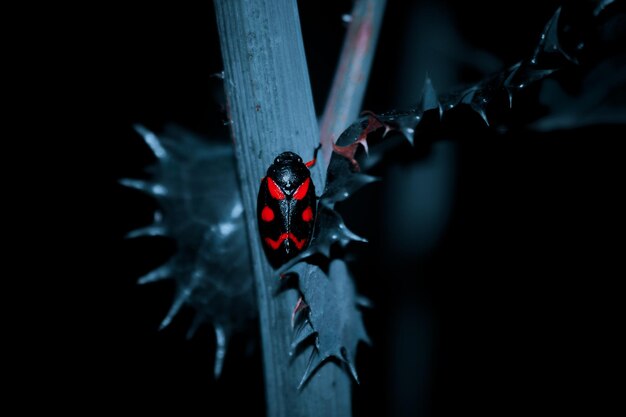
(501, 298)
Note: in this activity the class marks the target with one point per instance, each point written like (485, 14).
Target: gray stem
(271, 108)
(346, 94)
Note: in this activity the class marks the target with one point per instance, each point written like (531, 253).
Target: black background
(511, 311)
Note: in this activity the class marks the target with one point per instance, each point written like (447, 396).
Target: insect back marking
(307, 214)
(275, 190)
(267, 214)
(286, 207)
(302, 190)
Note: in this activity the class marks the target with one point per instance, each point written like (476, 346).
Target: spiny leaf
(196, 187)
(152, 230)
(333, 317)
(335, 324)
(158, 274)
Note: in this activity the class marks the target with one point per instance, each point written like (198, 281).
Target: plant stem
(346, 95)
(271, 108)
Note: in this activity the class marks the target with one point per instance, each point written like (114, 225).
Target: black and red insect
(286, 208)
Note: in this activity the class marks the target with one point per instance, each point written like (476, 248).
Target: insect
(286, 207)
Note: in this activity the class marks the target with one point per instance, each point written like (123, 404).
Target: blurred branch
(346, 94)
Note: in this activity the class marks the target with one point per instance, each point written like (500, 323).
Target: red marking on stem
(307, 214)
(300, 305)
(349, 151)
(302, 190)
(275, 190)
(267, 215)
(373, 124)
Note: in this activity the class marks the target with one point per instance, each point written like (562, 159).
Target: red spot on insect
(275, 244)
(267, 214)
(299, 243)
(302, 190)
(307, 214)
(275, 190)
